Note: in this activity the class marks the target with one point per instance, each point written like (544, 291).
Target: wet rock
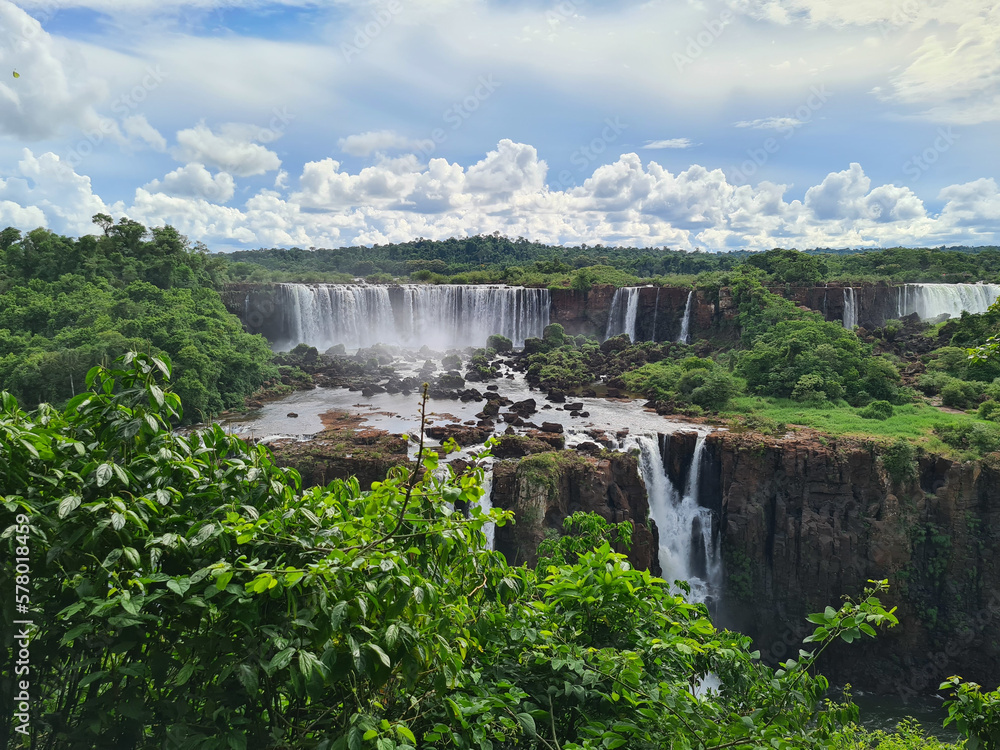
(292, 415)
(574, 407)
(543, 490)
(518, 446)
(461, 434)
(588, 393)
(525, 408)
(551, 427)
(493, 388)
(588, 447)
(557, 397)
(450, 380)
(602, 438)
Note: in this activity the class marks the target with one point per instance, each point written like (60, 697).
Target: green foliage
(989, 410)
(67, 305)
(961, 394)
(981, 437)
(790, 266)
(812, 360)
(694, 380)
(495, 258)
(188, 594)
(554, 335)
(908, 735)
(900, 460)
(876, 410)
(975, 713)
(500, 344)
(582, 532)
(758, 309)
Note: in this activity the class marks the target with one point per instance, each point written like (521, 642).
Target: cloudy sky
(704, 124)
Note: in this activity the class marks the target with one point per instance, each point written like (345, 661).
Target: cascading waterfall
(624, 311)
(850, 308)
(931, 300)
(689, 550)
(486, 503)
(685, 337)
(442, 317)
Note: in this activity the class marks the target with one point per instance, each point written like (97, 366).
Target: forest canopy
(68, 304)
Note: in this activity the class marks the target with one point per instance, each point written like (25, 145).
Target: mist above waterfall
(442, 316)
(931, 300)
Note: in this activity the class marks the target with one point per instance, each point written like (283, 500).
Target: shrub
(554, 335)
(961, 394)
(989, 410)
(810, 388)
(501, 344)
(900, 460)
(719, 386)
(876, 410)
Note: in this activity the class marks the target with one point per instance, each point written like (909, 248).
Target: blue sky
(713, 125)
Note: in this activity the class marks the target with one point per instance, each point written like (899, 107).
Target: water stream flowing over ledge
(442, 316)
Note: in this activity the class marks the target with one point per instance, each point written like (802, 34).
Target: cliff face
(545, 488)
(806, 520)
(659, 315)
(259, 308)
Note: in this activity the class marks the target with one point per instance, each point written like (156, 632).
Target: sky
(712, 125)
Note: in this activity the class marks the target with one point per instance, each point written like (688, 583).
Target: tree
(188, 593)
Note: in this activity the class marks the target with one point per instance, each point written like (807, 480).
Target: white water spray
(624, 311)
(688, 550)
(931, 300)
(850, 308)
(486, 503)
(442, 316)
(685, 337)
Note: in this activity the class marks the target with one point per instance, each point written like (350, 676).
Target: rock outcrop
(807, 519)
(544, 488)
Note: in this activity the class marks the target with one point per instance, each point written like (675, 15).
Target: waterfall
(442, 317)
(486, 503)
(850, 308)
(931, 300)
(685, 337)
(624, 310)
(688, 550)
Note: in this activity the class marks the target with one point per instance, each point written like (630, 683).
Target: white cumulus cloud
(194, 181)
(235, 148)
